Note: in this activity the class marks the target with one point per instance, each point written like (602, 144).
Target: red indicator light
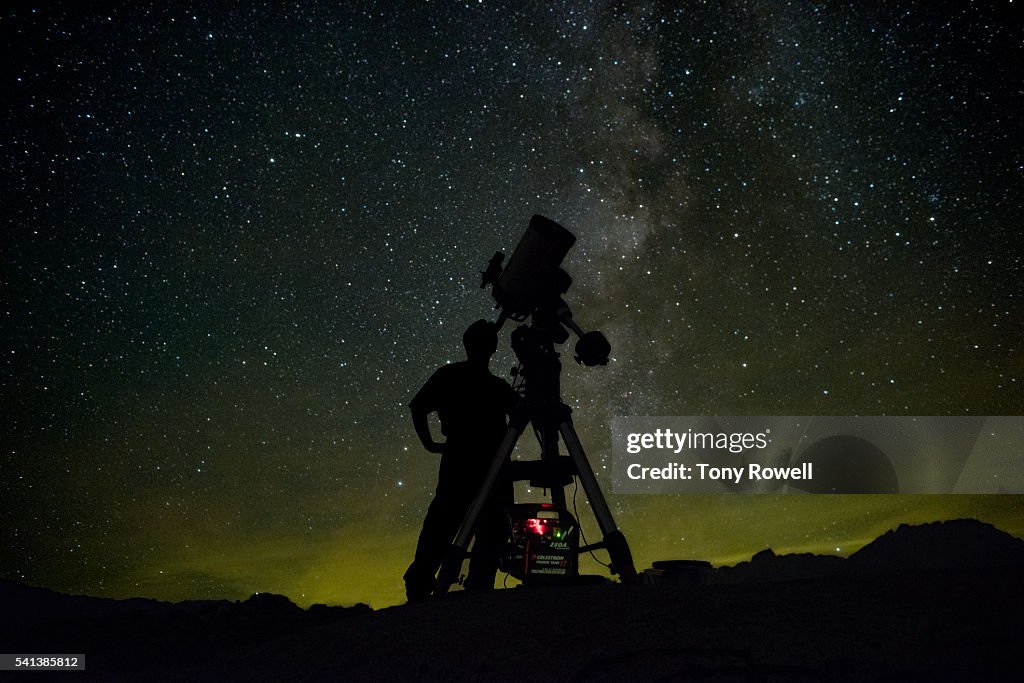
(537, 526)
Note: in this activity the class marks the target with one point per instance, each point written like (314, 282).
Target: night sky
(237, 241)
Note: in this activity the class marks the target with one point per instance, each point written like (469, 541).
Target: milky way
(237, 241)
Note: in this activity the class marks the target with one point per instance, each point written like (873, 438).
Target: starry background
(238, 239)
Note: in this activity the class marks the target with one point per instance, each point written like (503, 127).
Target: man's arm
(419, 421)
(423, 403)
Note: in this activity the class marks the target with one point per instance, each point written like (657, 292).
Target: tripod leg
(615, 542)
(449, 572)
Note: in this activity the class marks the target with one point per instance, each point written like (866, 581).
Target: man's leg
(491, 537)
(444, 516)
(439, 527)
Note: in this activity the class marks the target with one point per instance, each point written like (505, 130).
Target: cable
(583, 535)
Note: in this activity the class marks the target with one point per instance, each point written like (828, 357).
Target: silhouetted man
(472, 405)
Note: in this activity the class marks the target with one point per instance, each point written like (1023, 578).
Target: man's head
(481, 341)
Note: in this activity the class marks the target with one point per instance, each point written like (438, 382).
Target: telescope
(543, 544)
(533, 283)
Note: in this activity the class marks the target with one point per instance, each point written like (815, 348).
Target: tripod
(542, 406)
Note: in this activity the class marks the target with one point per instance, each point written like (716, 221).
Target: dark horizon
(936, 601)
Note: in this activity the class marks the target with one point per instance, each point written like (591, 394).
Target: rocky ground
(934, 602)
